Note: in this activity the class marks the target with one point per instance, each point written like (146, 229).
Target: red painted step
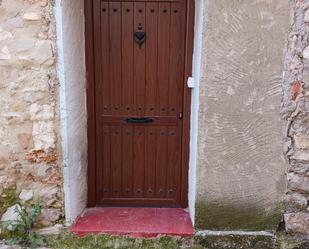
(134, 222)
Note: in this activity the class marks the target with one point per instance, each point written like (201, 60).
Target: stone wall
(29, 158)
(295, 110)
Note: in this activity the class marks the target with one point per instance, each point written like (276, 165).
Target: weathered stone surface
(295, 202)
(4, 35)
(3, 179)
(41, 156)
(22, 45)
(32, 16)
(5, 53)
(49, 216)
(4, 246)
(42, 53)
(295, 111)
(306, 53)
(297, 222)
(12, 216)
(44, 136)
(288, 241)
(300, 155)
(26, 195)
(298, 182)
(54, 230)
(41, 112)
(306, 17)
(41, 170)
(24, 140)
(302, 141)
(48, 194)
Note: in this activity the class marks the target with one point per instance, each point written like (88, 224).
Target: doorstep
(134, 222)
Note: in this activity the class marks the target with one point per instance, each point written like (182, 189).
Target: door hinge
(181, 115)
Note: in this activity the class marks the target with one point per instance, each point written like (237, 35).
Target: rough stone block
(22, 45)
(306, 16)
(41, 156)
(12, 215)
(302, 142)
(54, 230)
(47, 194)
(41, 112)
(298, 182)
(297, 223)
(26, 195)
(5, 54)
(295, 202)
(4, 35)
(49, 216)
(24, 140)
(44, 135)
(306, 53)
(43, 53)
(32, 16)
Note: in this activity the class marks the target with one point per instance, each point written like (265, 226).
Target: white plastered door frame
(71, 71)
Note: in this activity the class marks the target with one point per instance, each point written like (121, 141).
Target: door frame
(90, 78)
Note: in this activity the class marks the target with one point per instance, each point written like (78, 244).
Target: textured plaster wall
(71, 72)
(29, 144)
(241, 166)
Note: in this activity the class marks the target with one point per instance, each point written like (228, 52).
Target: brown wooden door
(139, 91)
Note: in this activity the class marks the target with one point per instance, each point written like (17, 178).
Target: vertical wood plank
(115, 56)
(151, 59)
(161, 160)
(176, 59)
(127, 58)
(105, 154)
(89, 47)
(116, 160)
(139, 161)
(150, 166)
(97, 93)
(104, 86)
(139, 59)
(173, 165)
(163, 56)
(127, 160)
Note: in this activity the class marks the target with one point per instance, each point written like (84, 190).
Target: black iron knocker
(140, 38)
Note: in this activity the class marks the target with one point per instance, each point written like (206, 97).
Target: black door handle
(143, 120)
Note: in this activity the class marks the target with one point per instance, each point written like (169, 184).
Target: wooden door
(139, 65)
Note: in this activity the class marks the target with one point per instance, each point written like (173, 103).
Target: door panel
(139, 68)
